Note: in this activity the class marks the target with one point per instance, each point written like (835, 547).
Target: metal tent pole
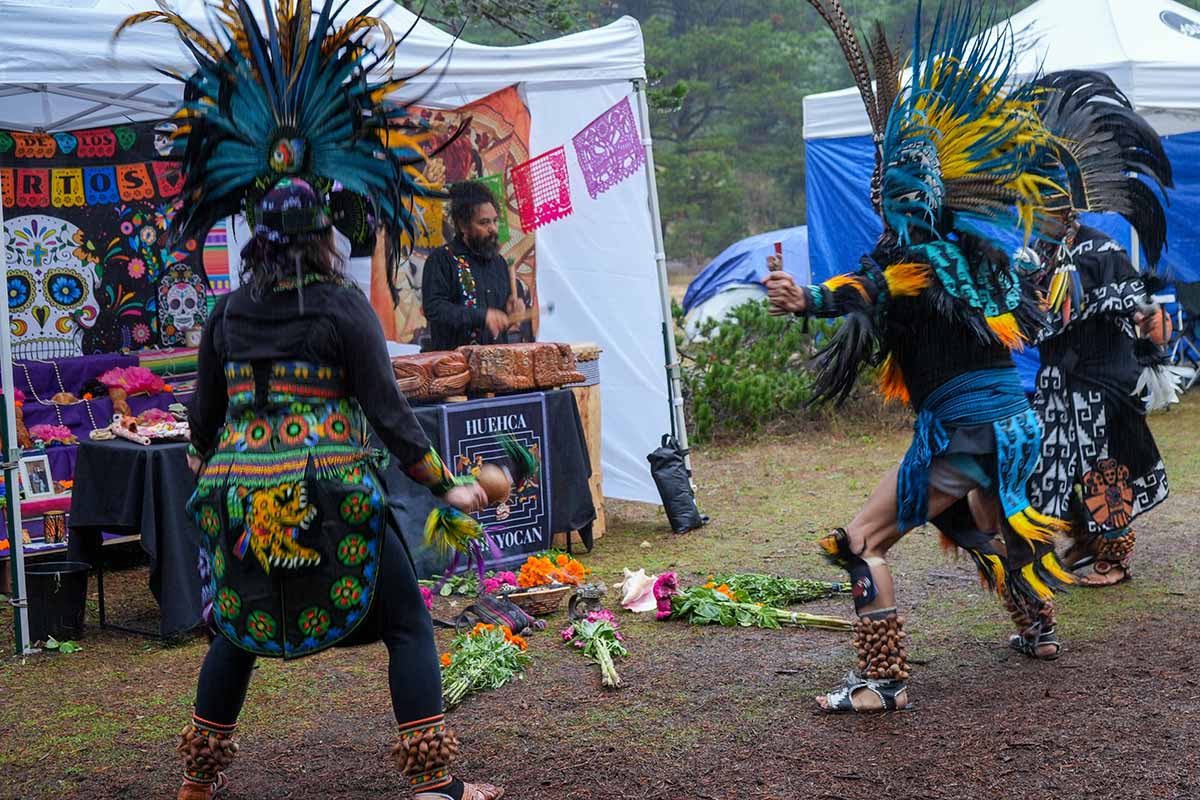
(10, 459)
(674, 385)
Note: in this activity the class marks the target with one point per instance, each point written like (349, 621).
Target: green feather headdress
(293, 100)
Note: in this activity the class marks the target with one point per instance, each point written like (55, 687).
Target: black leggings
(398, 616)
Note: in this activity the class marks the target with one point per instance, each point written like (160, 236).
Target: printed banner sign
(471, 432)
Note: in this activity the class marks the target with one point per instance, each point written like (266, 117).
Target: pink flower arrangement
(600, 640)
(153, 415)
(133, 380)
(665, 587)
(427, 596)
(499, 581)
(53, 433)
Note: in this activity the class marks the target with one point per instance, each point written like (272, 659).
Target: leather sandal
(841, 699)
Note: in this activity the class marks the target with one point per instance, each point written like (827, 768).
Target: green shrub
(746, 372)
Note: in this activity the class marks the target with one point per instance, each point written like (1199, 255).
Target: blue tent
(745, 262)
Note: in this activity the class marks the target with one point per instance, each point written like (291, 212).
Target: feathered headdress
(1102, 146)
(295, 100)
(956, 146)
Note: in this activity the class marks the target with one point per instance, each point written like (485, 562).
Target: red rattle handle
(778, 312)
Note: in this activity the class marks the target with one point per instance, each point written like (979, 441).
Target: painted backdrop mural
(91, 271)
(496, 140)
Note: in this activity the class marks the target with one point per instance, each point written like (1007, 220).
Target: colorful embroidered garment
(290, 512)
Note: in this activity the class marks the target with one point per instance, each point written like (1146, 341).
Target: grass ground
(705, 713)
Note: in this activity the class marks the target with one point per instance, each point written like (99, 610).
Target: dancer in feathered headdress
(1103, 365)
(938, 306)
(297, 549)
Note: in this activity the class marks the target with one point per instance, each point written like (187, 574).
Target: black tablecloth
(127, 488)
(122, 487)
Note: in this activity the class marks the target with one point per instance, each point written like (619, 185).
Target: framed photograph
(36, 477)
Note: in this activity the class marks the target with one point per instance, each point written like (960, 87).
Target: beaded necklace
(61, 387)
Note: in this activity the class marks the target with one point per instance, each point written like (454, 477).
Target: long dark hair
(265, 263)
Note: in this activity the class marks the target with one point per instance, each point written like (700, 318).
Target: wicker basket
(540, 601)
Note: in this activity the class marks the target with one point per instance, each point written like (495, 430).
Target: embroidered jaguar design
(274, 517)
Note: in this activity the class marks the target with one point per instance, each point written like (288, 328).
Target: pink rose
(665, 587)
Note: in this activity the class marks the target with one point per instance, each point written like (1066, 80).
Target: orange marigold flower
(562, 560)
(445, 659)
(520, 642)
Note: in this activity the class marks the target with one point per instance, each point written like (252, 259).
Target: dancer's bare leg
(871, 534)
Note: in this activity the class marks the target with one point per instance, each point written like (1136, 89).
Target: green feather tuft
(524, 465)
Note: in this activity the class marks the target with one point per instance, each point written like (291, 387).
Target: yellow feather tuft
(449, 529)
(1050, 523)
(1051, 564)
(907, 280)
(1006, 329)
(1029, 530)
(838, 281)
(1035, 583)
(998, 573)
(891, 382)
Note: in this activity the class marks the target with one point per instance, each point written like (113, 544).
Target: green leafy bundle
(485, 658)
(772, 590)
(597, 636)
(703, 606)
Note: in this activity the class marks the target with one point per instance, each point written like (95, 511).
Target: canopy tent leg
(11, 458)
(674, 385)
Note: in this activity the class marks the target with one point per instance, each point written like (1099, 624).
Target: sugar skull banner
(90, 267)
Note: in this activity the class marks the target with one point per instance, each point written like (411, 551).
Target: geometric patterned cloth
(609, 149)
(542, 189)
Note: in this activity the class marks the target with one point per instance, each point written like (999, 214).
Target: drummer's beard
(486, 247)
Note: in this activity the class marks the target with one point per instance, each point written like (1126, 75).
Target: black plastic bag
(674, 483)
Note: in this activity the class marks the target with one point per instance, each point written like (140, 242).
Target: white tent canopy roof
(1150, 48)
(61, 51)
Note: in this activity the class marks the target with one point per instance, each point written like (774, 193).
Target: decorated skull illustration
(182, 305)
(51, 297)
(163, 144)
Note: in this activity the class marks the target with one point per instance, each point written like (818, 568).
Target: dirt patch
(711, 714)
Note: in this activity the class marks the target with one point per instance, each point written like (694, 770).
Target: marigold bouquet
(547, 568)
(486, 657)
(600, 639)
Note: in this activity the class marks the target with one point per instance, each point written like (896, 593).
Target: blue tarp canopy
(745, 262)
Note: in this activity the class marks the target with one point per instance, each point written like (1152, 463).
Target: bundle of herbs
(772, 590)
(600, 639)
(487, 657)
(702, 605)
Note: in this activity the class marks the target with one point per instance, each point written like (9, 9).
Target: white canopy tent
(601, 270)
(1150, 48)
